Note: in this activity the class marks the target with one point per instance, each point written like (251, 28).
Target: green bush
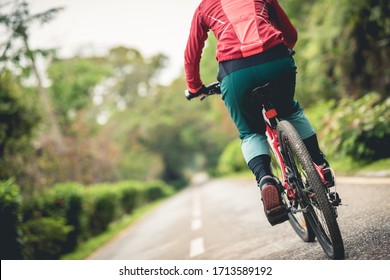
(44, 237)
(34, 206)
(356, 128)
(10, 219)
(65, 201)
(78, 212)
(68, 201)
(231, 159)
(103, 205)
(157, 189)
(367, 128)
(130, 195)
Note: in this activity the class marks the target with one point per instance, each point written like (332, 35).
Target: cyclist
(255, 39)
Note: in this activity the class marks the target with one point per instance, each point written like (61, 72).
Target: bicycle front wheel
(310, 191)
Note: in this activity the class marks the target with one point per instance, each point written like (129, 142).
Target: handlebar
(214, 88)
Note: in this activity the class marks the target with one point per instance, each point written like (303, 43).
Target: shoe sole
(270, 197)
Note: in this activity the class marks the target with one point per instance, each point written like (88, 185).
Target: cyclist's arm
(284, 24)
(196, 41)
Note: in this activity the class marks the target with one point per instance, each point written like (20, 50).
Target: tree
(343, 48)
(18, 119)
(17, 47)
(188, 136)
(134, 75)
(73, 83)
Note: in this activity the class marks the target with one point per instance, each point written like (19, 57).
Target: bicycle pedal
(277, 215)
(277, 210)
(335, 198)
(329, 177)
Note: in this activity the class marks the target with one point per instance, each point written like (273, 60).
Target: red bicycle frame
(273, 141)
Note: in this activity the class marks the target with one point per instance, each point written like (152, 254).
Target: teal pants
(246, 113)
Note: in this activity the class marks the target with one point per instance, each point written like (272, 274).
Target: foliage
(232, 160)
(102, 207)
(139, 163)
(44, 237)
(73, 81)
(62, 201)
(18, 56)
(156, 189)
(343, 47)
(68, 204)
(10, 220)
(87, 93)
(89, 246)
(186, 135)
(131, 195)
(55, 221)
(133, 73)
(15, 48)
(18, 120)
(355, 128)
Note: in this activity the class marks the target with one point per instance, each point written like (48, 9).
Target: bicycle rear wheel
(298, 221)
(310, 191)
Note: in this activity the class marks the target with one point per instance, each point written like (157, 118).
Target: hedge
(103, 204)
(10, 219)
(45, 238)
(54, 221)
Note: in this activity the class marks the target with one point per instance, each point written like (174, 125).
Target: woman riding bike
(255, 39)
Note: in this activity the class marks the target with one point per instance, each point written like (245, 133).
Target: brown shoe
(274, 209)
(270, 196)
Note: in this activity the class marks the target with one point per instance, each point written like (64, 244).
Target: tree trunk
(55, 133)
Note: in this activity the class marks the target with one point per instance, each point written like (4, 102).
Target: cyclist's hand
(189, 95)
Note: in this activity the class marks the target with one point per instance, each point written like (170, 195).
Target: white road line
(197, 244)
(196, 205)
(196, 211)
(196, 224)
(196, 247)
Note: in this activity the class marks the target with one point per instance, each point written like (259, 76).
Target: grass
(380, 165)
(88, 247)
(349, 167)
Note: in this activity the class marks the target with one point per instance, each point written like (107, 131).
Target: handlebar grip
(189, 95)
(211, 89)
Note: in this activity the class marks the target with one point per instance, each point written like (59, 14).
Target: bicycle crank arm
(296, 210)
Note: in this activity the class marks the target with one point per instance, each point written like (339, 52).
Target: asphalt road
(223, 220)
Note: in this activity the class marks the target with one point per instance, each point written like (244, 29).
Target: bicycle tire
(311, 191)
(298, 221)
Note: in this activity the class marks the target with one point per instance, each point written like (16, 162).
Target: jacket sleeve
(284, 24)
(193, 52)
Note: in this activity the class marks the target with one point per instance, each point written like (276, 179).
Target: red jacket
(242, 27)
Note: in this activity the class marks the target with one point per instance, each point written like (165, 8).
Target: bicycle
(311, 204)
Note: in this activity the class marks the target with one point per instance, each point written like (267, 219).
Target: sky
(94, 26)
